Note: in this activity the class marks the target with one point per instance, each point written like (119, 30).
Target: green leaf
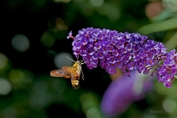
(162, 16)
(175, 76)
(160, 26)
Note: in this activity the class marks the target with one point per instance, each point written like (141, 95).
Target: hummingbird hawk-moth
(74, 72)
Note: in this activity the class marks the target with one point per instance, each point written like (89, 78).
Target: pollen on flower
(127, 51)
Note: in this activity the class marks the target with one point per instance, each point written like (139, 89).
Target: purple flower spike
(168, 69)
(126, 51)
(122, 92)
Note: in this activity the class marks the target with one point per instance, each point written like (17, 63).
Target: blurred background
(33, 42)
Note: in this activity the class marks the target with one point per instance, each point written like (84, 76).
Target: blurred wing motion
(59, 73)
(72, 72)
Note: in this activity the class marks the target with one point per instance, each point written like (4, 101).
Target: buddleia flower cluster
(127, 51)
(122, 92)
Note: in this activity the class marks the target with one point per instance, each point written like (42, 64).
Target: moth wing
(60, 73)
(72, 71)
(67, 69)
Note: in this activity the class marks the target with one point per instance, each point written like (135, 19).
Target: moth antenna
(70, 59)
(81, 62)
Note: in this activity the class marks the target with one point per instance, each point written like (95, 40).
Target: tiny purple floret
(70, 35)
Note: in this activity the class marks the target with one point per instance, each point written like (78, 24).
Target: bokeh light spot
(88, 101)
(153, 9)
(97, 3)
(3, 61)
(111, 10)
(93, 113)
(16, 76)
(169, 105)
(62, 60)
(60, 24)
(57, 24)
(5, 87)
(47, 39)
(40, 96)
(20, 43)
(9, 112)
